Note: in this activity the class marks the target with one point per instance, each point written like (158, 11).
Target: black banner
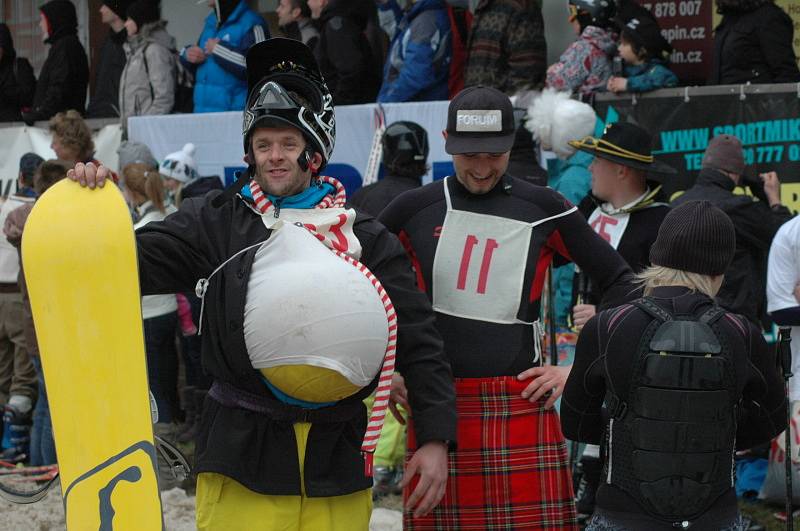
(768, 124)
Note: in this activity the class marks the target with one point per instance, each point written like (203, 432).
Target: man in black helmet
(284, 438)
(405, 160)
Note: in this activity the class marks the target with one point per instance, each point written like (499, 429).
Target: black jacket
(200, 187)
(522, 162)
(256, 451)
(65, 73)
(755, 46)
(640, 234)
(373, 198)
(17, 82)
(756, 223)
(609, 345)
(346, 59)
(105, 100)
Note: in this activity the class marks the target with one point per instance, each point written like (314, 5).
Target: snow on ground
(48, 514)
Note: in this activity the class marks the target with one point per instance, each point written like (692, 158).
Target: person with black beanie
(105, 99)
(17, 82)
(147, 83)
(65, 73)
(685, 384)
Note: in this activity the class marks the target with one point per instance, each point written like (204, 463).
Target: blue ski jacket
(652, 75)
(221, 80)
(418, 63)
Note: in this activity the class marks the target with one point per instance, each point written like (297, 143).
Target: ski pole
(785, 356)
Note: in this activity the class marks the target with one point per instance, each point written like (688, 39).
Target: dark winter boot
(190, 434)
(591, 468)
(16, 434)
(187, 400)
(382, 477)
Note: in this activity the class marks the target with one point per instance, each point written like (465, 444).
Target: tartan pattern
(510, 469)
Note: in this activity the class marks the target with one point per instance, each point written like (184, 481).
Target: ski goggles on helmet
(294, 100)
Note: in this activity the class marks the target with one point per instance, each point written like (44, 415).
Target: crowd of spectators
(376, 50)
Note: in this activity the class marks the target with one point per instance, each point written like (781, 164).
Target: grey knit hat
(130, 152)
(724, 152)
(696, 237)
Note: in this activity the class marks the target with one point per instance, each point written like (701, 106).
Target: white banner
(218, 138)
(16, 141)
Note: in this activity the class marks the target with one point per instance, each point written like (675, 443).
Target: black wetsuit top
(476, 348)
(758, 382)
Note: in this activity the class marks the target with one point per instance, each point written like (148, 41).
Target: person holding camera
(756, 220)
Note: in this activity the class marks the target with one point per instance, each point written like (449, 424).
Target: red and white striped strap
(381, 403)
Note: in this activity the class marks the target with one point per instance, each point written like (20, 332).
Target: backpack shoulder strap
(654, 310)
(712, 315)
(147, 70)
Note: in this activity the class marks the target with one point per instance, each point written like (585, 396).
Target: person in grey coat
(147, 85)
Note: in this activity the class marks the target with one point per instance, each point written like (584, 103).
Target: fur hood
(554, 119)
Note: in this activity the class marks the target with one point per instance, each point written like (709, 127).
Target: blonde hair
(74, 134)
(655, 276)
(145, 181)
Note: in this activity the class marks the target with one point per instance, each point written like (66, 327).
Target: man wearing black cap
(284, 439)
(481, 242)
(625, 207)
(685, 384)
(756, 221)
(405, 161)
(105, 99)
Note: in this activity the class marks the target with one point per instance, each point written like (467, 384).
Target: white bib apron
(479, 266)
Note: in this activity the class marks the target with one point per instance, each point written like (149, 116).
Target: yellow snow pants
(225, 505)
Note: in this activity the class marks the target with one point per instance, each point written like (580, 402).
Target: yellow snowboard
(79, 255)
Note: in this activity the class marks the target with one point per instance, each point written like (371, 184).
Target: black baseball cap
(480, 120)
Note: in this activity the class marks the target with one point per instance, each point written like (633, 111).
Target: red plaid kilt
(510, 470)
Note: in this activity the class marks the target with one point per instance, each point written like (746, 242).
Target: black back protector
(670, 443)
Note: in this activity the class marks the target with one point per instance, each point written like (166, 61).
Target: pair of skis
(26, 484)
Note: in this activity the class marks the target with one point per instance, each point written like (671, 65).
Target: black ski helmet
(285, 87)
(405, 143)
(598, 13)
